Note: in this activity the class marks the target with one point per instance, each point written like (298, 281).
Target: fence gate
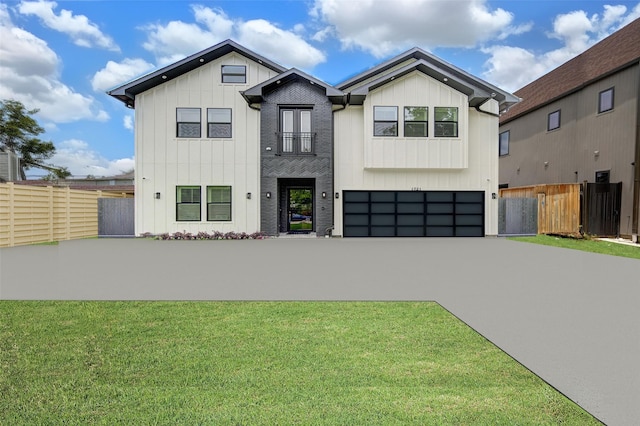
(601, 215)
(116, 217)
(517, 216)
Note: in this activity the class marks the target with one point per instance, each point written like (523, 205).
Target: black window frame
(558, 112)
(178, 123)
(501, 142)
(209, 123)
(225, 203)
(600, 108)
(426, 122)
(180, 202)
(231, 75)
(437, 124)
(375, 130)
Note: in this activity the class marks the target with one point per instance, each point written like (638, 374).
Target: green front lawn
(261, 363)
(594, 246)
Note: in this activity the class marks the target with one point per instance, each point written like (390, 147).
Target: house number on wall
(416, 188)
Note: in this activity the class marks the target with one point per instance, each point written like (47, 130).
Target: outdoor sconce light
(596, 153)
(337, 195)
(248, 195)
(268, 195)
(546, 164)
(494, 195)
(157, 195)
(324, 194)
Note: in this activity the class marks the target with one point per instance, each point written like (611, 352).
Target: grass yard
(261, 363)
(594, 246)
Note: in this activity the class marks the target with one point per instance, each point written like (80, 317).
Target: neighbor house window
(446, 122)
(219, 122)
(234, 74)
(218, 203)
(188, 203)
(553, 120)
(605, 100)
(416, 121)
(385, 121)
(504, 143)
(188, 122)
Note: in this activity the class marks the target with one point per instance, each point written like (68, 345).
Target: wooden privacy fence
(558, 206)
(33, 214)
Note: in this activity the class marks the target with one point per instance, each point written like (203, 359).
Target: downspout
(477, 107)
(333, 162)
(636, 166)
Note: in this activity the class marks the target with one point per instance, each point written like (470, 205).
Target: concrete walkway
(571, 317)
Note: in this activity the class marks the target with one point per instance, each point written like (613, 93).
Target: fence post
(50, 196)
(12, 206)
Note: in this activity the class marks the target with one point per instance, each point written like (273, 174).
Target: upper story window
(553, 120)
(188, 122)
(605, 100)
(446, 122)
(219, 122)
(504, 143)
(385, 121)
(416, 120)
(234, 74)
(188, 203)
(295, 135)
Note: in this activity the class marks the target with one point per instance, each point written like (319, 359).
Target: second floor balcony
(296, 143)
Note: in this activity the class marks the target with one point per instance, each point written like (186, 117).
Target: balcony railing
(300, 143)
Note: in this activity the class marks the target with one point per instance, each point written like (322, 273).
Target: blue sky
(61, 57)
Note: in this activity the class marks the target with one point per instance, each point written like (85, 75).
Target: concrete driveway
(571, 317)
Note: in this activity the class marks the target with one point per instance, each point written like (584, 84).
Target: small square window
(385, 121)
(416, 121)
(234, 74)
(446, 122)
(553, 120)
(504, 143)
(188, 122)
(605, 100)
(219, 122)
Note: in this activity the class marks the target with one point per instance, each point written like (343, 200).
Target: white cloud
(81, 160)
(82, 31)
(175, 40)
(127, 122)
(29, 70)
(382, 27)
(513, 67)
(115, 73)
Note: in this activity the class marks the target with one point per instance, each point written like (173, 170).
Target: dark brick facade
(279, 172)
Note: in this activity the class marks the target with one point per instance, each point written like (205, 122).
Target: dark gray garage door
(413, 213)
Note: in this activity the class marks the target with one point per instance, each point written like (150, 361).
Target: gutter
(636, 166)
(477, 107)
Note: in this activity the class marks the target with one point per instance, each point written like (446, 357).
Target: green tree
(19, 134)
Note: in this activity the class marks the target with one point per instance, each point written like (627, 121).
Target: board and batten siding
(164, 161)
(477, 168)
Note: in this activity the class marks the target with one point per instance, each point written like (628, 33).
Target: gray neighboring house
(581, 122)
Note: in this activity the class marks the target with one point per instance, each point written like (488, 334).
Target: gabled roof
(614, 53)
(478, 90)
(127, 92)
(256, 93)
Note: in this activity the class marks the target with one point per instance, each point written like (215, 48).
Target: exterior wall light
(337, 195)
(324, 194)
(157, 195)
(248, 195)
(268, 195)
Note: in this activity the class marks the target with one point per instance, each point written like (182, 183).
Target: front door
(300, 210)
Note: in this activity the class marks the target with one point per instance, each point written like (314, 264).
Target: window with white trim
(605, 100)
(234, 74)
(446, 122)
(385, 121)
(416, 122)
(218, 203)
(187, 203)
(504, 143)
(188, 122)
(218, 122)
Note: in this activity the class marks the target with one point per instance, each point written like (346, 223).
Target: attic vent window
(234, 74)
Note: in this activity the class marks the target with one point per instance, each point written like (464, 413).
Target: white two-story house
(227, 140)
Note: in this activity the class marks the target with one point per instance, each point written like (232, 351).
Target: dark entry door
(300, 210)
